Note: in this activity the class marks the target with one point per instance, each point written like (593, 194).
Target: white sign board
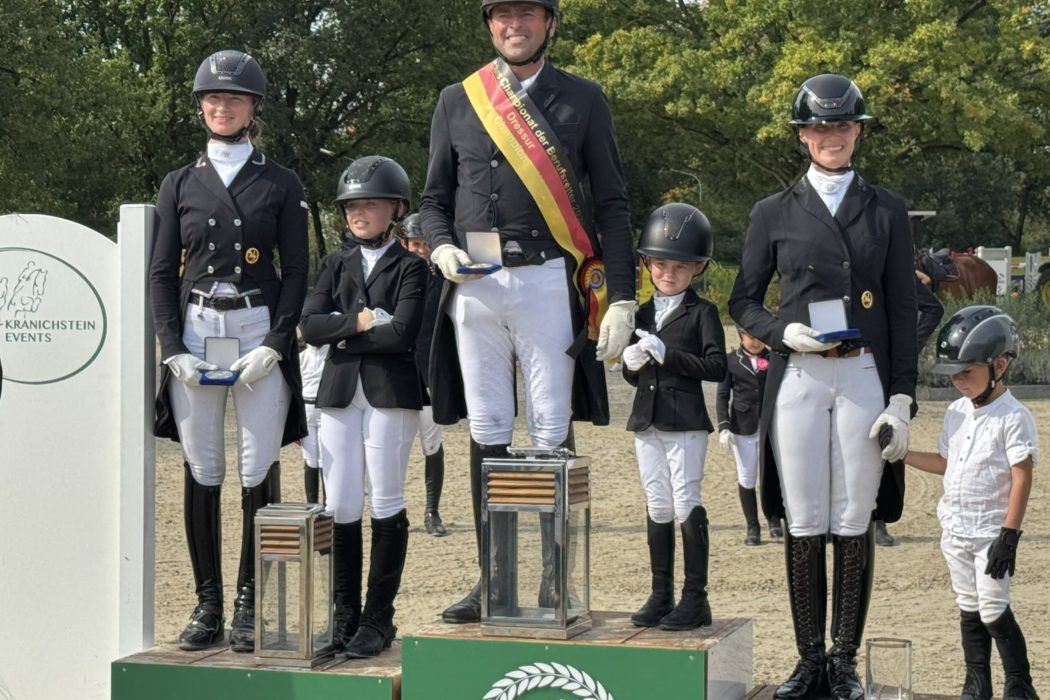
(65, 598)
(999, 260)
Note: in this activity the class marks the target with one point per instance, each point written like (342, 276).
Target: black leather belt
(227, 303)
(521, 258)
(837, 353)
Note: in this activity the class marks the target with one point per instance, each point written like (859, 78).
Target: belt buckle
(224, 303)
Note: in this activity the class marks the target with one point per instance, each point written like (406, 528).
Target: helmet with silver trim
(828, 97)
(230, 71)
(976, 334)
(375, 177)
(677, 231)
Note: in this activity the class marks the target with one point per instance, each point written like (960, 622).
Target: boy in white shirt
(986, 453)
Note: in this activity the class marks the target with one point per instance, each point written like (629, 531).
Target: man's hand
(615, 331)
(449, 259)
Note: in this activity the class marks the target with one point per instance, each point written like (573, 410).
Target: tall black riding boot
(977, 653)
(469, 609)
(434, 477)
(808, 593)
(242, 627)
(854, 564)
(1013, 652)
(661, 562)
(346, 589)
(312, 483)
(386, 563)
(693, 609)
(202, 516)
(749, 504)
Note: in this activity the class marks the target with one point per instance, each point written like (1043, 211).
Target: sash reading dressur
(526, 140)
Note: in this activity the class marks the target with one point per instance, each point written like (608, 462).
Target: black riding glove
(1002, 554)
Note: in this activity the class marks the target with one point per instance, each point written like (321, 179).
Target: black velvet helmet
(976, 334)
(828, 98)
(230, 71)
(677, 231)
(375, 177)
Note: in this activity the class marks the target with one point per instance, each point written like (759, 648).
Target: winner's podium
(614, 660)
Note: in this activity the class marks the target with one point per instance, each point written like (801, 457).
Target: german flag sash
(522, 134)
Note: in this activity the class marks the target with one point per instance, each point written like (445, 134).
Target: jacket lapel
(809, 199)
(857, 197)
(744, 361)
(249, 173)
(386, 260)
(545, 89)
(205, 172)
(681, 311)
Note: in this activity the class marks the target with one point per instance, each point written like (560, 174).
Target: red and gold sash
(521, 133)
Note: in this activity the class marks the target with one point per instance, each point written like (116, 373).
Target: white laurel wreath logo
(541, 675)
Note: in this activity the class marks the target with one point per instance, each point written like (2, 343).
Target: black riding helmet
(375, 177)
(412, 227)
(976, 334)
(550, 5)
(230, 71)
(677, 231)
(827, 98)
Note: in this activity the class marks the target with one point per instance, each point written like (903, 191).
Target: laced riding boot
(854, 563)
(808, 593)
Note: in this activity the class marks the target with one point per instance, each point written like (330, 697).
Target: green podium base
(614, 660)
(168, 673)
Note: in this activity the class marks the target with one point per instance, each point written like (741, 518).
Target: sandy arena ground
(912, 597)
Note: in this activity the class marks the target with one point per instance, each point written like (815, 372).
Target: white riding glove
(897, 415)
(449, 259)
(615, 331)
(652, 345)
(635, 357)
(185, 366)
(725, 440)
(801, 338)
(379, 318)
(255, 364)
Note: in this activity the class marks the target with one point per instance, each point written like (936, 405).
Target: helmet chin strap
(377, 242)
(982, 399)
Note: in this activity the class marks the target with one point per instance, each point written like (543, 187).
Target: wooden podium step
(168, 673)
(614, 660)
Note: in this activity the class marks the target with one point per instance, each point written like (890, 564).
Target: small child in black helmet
(986, 452)
(368, 306)
(680, 343)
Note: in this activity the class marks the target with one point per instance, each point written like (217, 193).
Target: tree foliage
(97, 102)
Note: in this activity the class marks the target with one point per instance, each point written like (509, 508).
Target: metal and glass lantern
(293, 595)
(535, 544)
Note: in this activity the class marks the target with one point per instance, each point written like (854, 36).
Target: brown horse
(974, 275)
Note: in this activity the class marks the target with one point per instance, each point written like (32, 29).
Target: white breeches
(431, 435)
(311, 450)
(518, 313)
(200, 411)
(974, 589)
(745, 452)
(829, 468)
(671, 465)
(359, 442)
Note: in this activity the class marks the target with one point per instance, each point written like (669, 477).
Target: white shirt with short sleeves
(980, 446)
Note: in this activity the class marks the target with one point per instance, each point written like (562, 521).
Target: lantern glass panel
(322, 607)
(277, 605)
